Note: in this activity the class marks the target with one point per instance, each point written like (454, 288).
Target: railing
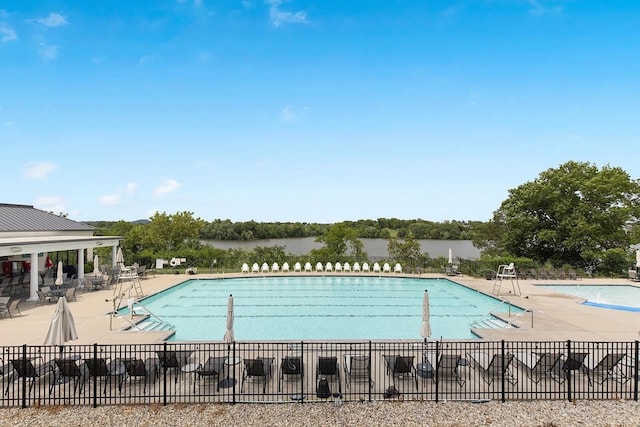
(250, 372)
(151, 315)
(489, 314)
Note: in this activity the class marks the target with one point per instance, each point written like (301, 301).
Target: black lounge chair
(357, 368)
(101, 369)
(66, 371)
(448, 368)
(257, 370)
(174, 360)
(24, 368)
(291, 368)
(493, 367)
(401, 367)
(212, 368)
(329, 369)
(139, 370)
(606, 369)
(539, 366)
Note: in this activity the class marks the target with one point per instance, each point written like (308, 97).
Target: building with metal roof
(28, 234)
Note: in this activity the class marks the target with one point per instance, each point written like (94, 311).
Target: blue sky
(315, 111)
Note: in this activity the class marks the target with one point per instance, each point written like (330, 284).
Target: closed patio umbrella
(450, 256)
(120, 257)
(62, 327)
(96, 266)
(637, 258)
(59, 274)
(425, 328)
(229, 338)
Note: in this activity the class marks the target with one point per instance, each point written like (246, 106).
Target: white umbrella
(59, 278)
(120, 257)
(425, 328)
(62, 327)
(228, 335)
(450, 256)
(637, 258)
(96, 266)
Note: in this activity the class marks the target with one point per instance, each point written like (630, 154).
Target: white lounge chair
(386, 268)
(397, 268)
(255, 268)
(285, 267)
(245, 268)
(338, 267)
(319, 267)
(307, 267)
(376, 267)
(347, 267)
(297, 267)
(328, 267)
(275, 267)
(365, 268)
(356, 267)
(265, 267)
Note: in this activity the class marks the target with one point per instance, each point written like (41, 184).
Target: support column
(34, 278)
(114, 255)
(80, 268)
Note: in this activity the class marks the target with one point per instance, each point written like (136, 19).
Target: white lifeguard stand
(507, 272)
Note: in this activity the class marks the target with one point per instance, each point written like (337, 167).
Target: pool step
(151, 325)
(491, 322)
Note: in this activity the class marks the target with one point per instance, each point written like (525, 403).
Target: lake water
(375, 248)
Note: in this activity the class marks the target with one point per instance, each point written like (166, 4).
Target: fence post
(230, 366)
(23, 362)
(567, 372)
(164, 374)
(436, 368)
(370, 366)
(302, 373)
(95, 382)
(635, 372)
(504, 371)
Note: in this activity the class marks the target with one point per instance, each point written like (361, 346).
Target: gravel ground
(387, 414)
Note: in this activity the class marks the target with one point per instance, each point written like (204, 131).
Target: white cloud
(48, 51)
(131, 188)
(279, 16)
(39, 170)
(169, 186)
(110, 200)
(542, 7)
(53, 20)
(50, 204)
(7, 34)
(291, 114)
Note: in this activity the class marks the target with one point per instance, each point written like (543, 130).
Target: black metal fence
(250, 372)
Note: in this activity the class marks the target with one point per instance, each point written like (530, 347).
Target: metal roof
(27, 218)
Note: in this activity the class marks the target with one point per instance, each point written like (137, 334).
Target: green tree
(406, 252)
(341, 243)
(569, 215)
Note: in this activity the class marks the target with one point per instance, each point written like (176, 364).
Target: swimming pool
(617, 297)
(316, 307)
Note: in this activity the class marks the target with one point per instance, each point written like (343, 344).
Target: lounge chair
(24, 368)
(329, 369)
(307, 267)
(539, 366)
(328, 267)
(245, 268)
(297, 267)
(67, 371)
(376, 267)
(265, 268)
(397, 268)
(173, 360)
(493, 367)
(139, 370)
(365, 268)
(13, 308)
(401, 367)
(257, 370)
(291, 368)
(606, 369)
(357, 368)
(448, 368)
(70, 294)
(319, 267)
(573, 275)
(275, 268)
(346, 268)
(356, 267)
(255, 268)
(101, 369)
(573, 363)
(338, 267)
(43, 298)
(285, 267)
(212, 368)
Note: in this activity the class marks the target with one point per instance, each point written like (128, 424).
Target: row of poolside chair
(549, 274)
(319, 268)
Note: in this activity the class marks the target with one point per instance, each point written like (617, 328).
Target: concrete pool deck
(555, 316)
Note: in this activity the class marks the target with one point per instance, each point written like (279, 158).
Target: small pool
(616, 297)
(316, 307)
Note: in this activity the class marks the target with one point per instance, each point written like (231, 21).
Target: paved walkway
(556, 316)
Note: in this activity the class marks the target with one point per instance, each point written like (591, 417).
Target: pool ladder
(152, 322)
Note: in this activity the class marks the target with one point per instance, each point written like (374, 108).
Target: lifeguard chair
(507, 272)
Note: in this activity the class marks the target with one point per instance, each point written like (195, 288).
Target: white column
(80, 274)
(33, 278)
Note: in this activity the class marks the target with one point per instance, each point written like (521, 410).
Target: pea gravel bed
(387, 414)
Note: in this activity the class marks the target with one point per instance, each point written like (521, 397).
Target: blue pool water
(315, 307)
(617, 297)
